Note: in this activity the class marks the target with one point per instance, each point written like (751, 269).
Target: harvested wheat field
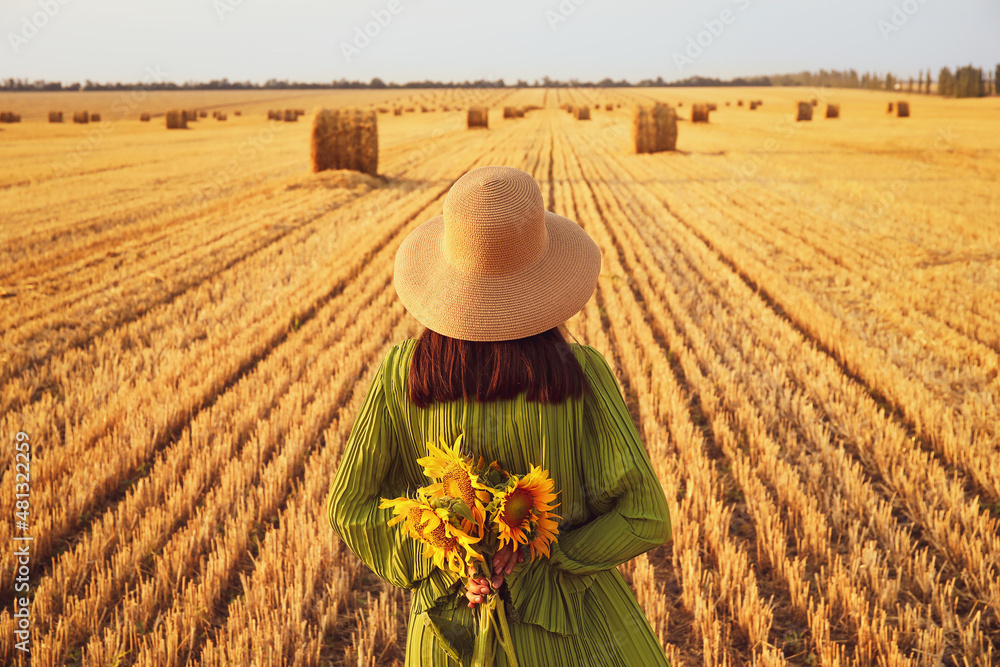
(804, 319)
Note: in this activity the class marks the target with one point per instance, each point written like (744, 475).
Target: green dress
(575, 608)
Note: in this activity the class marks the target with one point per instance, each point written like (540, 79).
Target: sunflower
(522, 513)
(458, 480)
(448, 545)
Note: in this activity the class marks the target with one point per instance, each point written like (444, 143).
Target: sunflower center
(517, 507)
(439, 538)
(458, 485)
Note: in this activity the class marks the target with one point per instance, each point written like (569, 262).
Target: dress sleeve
(621, 489)
(359, 484)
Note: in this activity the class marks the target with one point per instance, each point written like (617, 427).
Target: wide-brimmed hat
(495, 265)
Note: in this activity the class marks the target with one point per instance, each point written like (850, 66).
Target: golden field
(804, 318)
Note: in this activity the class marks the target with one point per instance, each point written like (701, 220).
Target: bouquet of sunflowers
(470, 512)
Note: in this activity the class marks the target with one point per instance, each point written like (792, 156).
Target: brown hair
(445, 369)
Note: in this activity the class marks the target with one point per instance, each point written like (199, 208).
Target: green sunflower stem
(491, 632)
(506, 640)
(482, 652)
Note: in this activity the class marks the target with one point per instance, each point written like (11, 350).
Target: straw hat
(496, 265)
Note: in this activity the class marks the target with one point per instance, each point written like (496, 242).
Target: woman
(492, 280)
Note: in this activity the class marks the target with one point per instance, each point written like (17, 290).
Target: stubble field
(804, 319)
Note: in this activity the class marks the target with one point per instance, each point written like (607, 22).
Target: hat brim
(491, 308)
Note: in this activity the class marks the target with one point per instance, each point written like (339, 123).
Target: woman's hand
(503, 564)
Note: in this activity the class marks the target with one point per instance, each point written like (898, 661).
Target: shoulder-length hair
(445, 369)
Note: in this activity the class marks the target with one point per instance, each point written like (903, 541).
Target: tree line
(967, 81)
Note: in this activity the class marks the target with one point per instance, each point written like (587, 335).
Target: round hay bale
(699, 113)
(221, 116)
(144, 117)
(805, 111)
(712, 106)
(609, 107)
(95, 118)
(833, 111)
(582, 113)
(902, 110)
(204, 114)
(509, 112)
(191, 115)
(237, 113)
(739, 103)
(55, 116)
(478, 117)
(291, 116)
(814, 102)
(753, 105)
(81, 117)
(345, 139)
(889, 108)
(654, 128)
(176, 119)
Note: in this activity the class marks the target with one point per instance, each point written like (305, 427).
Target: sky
(456, 40)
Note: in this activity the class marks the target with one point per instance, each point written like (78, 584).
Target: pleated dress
(574, 608)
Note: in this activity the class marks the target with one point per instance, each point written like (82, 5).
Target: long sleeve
(621, 488)
(360, 483)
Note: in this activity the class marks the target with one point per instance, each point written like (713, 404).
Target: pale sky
(455, 40)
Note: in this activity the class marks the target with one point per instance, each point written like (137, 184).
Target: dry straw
(712, 106)
(55, 116)
(291, 116)
(237, 113)
(833, 111)
(176, 119)
(609, 107)
(95, 118)
(654, 128)
(220, 116)
(397, 111)
(274, 114)
(903, 110)
(191, 115)
(9, 117)
(509, 112)
(699, 113)
(204, 114)
(889, 108)
(81, 117)
(805, 111)
(478, 117)
(345, 139)
(144, 117)
(582, 113)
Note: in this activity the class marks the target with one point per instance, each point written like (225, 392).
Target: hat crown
(494, 222)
